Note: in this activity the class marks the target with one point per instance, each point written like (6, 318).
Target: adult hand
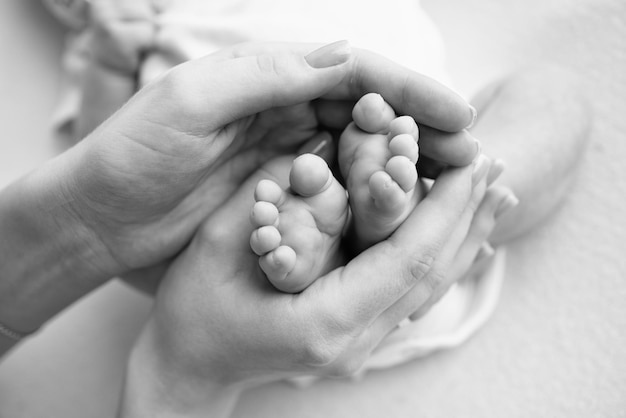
(134, 191)
(142, 182)
(441, 114)
(132, 194)
(219, 326)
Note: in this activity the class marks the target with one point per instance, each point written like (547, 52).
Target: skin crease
(144, 275)
(124, 199)
(297, 239)
(322, 330)
(252, 158)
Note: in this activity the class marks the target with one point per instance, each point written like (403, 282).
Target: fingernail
(486, 250)
(318, 145)
(506, 204)
(481, 167)
(479, 147)
(330, 55)
(497, 167)
(474, 116)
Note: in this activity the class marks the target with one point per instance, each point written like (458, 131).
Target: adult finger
(441, 148)
(218, 91)
(437, 277)
(456, 149)
(482, 224)
(409, 93)
(472, 230)
(375, 280)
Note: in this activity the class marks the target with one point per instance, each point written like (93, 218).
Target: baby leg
(537, 122)
(298, 229)
(377, 157)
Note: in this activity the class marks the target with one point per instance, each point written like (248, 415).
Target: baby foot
(377, 157)
(298, 229)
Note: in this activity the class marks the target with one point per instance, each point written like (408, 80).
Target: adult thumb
(223, 91)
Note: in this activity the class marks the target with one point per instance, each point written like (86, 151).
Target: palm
(167, 179)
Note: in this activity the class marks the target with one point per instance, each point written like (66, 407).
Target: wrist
(158, 386)
(50, 258)
(97, 261)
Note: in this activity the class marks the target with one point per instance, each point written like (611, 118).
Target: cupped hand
(218, 323)
(142, 182)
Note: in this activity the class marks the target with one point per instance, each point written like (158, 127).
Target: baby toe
(264, 213)
(309, 175)
(268, 191)
(402, 171)
(278, 264)
(404, 144)
(387, 194)
(264, 239)
(403, 125)
(372, 114)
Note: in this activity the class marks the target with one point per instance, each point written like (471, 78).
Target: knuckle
(347, 367)
(211, 234)
(284, 68)
(419, 267)
(332, 358)
(319, 352)
(433, 281)
(175, 82)
(416, 265)
(267, 64)
(420, 264)
(180, 85)
(327, 340)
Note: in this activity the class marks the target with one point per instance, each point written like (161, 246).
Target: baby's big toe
(309, 175)
(372, 114)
